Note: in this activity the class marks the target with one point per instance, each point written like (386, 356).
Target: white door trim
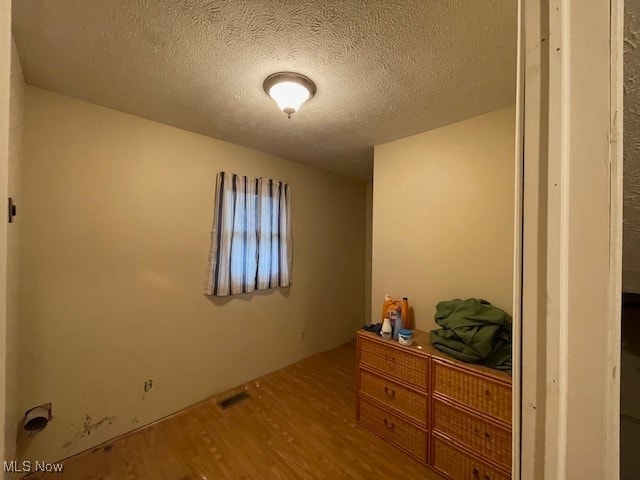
(612, 412)
(517, 255)
(572, 239)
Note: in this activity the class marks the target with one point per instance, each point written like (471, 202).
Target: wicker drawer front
(396, 397)
(489, 440)
(395, 431)
(481, 394)
(404, 366)
(460, 466)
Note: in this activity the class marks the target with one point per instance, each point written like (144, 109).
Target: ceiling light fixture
(290, 90)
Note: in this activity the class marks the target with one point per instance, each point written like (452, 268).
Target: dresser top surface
(421, 339)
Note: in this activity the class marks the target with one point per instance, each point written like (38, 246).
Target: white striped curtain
(251, 236)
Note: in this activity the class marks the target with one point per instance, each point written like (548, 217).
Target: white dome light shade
(289, 90)
(289, 96)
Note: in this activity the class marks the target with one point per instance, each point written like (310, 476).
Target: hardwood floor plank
(299, 423)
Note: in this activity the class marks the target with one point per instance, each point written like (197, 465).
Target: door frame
(616, 159)
(516, 393)
(571, 238)
(5, 71)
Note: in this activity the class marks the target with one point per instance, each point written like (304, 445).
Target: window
(251, 236)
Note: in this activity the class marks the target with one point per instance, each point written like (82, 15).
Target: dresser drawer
(481, 394)
(399, 398)
(409, 368)
(397, 432)
(460, 466)
(486, 438)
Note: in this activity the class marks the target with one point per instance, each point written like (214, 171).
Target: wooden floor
(298, 424)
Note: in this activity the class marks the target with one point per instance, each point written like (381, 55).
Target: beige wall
(16, 107)
(116, 215)
(443, 215)
(5, 69)
(368, 252)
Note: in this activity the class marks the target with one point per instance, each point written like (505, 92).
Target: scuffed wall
(116, 217)
(631, 238)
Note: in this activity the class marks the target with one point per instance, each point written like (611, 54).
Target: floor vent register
(234, 400)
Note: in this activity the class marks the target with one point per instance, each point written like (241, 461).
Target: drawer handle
(388, 424)
(391, 393)
(487, 435)
(476, 474)
(390, 359)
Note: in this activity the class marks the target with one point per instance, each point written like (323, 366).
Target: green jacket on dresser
(474, 331)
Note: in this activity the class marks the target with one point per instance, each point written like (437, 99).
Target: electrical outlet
(302, 335)
(148, 385)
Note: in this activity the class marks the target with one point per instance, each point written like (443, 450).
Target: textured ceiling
(631, 215)
(384, 69)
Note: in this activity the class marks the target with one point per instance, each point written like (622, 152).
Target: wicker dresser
(452, 416)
